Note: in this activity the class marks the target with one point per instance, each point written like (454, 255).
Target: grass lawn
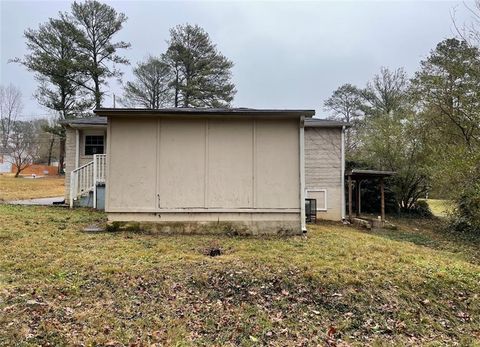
(61, 286)
(440, 208)
(20, 188)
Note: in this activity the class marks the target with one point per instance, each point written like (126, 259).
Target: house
(188, 169)
(5, 163)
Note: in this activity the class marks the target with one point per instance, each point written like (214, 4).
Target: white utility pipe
(302, 174)
(342, 179)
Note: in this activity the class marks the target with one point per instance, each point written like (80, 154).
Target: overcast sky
(286, 54)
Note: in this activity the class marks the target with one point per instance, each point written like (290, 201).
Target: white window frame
(324, 190)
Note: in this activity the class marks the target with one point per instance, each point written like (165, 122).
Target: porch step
(86, 199)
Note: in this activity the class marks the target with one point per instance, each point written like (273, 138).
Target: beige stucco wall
(70, 151)
(323, 165)
(207, 167)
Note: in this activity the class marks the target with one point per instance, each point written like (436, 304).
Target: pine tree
(201, 75)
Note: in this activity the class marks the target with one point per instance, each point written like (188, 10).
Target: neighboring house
(5, 163)
(237, 169)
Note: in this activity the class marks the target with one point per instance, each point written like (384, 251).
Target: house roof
(200, 111)
(324, 123)
(99, 121)
(85, 121)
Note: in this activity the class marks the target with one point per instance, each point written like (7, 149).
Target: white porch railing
(100, 167)
(86, 177)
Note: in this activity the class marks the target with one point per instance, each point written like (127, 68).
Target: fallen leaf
(331, 331)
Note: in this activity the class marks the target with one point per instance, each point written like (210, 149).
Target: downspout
(77, 148)
(73, 177)
(342, 179)
(302, 175)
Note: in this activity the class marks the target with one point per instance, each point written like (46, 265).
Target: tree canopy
(201, 74)
(151, 86)
(427, 128)
(96, 25)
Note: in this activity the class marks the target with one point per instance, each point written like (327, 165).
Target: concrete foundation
(208, 223)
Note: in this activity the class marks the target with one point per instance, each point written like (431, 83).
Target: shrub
(422, 209)
(466, 216)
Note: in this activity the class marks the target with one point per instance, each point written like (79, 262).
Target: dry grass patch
(61, 286)
(20, 188)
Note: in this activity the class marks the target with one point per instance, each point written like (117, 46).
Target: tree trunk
(50, 150)
(176, 89)
(98, 96)
(61, 157)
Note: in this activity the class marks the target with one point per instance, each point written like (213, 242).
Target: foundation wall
(210, 223)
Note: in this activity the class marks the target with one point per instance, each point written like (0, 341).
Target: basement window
(94, 144)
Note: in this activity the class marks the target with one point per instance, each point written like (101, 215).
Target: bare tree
(387, 93)
(469, 31)
(10, 108)
(345, 105)
(22, 146)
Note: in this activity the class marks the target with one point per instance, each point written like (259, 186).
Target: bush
(466, 216)
(422, 209)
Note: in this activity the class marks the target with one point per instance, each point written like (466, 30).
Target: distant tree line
(426, 128)
(23, 142)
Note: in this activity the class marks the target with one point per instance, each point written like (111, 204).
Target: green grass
(440, 208)
(61, 286)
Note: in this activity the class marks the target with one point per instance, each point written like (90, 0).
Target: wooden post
(357, 197)
(350, 211)
(382, 200)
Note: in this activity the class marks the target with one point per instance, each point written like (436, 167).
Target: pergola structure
(358, 176)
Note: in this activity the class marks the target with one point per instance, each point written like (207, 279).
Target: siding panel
(323, 164)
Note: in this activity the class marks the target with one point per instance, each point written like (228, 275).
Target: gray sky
(286, 54)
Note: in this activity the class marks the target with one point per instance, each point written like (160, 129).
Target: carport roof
(365, 174)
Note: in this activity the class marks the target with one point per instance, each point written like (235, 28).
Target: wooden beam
(350, 211)
(382, 199)
(357, 198)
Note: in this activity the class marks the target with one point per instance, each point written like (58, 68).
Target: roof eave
(115, 112)
(87, 126)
